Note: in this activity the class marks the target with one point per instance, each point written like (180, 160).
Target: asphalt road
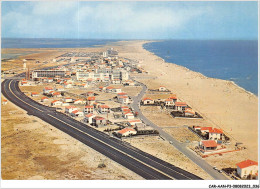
(144, 164)
(182, 148)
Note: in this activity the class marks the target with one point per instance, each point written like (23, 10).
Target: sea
(233, 60)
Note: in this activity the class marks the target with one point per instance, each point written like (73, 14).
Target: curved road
(144, 164)
(191, 155)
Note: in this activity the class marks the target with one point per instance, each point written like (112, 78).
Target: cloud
(97, 19)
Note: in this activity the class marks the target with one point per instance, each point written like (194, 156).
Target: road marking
(111, 146)
(20, 98)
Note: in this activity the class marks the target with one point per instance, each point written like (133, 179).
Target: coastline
(222, 103)
(197, 71)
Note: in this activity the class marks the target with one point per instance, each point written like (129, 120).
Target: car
(215, 168)
(170, 142)
(220, 171)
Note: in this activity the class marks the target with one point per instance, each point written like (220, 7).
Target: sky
(130, 20)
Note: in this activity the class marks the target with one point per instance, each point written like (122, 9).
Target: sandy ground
(222, 104)
(163, 150)
(32, 149)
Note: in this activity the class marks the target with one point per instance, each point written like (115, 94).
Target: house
(77, 113)
(247, 168)
(103, 109)
(24, 83)
(4, 102)
(68, 100)
(189, 112)
(133, 122)
(116, 90)
(47, 90)
(49, 80)
(163, 89)
(99, 121)
(88, 109)
(169, 102)
(59, 88)
(69, 109)
(116, 81)
(56, 94)
(56, 103)
(90, 93)
(181, 106)
(128, 115)
(101, 88)
(65, 104)
(109, 89)
(67, 85)
(126, 132)
(33, 94)
(173, 98)
(208, 145)
(91, 100)
(147, 100)
(121, 94)
(44, 99)
(215, 134)
(88, 118)
(79, 101)
(123, 99)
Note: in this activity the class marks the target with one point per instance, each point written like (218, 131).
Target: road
(144, 164)
(181, 147)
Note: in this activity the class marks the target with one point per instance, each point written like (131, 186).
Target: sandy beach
(222, 103)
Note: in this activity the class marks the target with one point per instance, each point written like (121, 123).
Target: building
(56, 103)
(147, 101)
(47, 90)
(103, 109)
(128, 115)
(181, 106)
(37, 74)
(99, 121)
(123, 99)
(68, 100)
(69, 109)
(4, 102)
(189, 112)
(133, 122)
(88, 109)
(88, 118)
(91, 100)
(33, 94)
(215, 134)
(163, 89)
(247, 168)
(208, 145)
(79, 101)
(44, 99)
(77, 113)
(126, 132)
(169, 102)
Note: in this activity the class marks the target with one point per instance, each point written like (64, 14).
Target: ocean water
(51, 43)
(234, 60)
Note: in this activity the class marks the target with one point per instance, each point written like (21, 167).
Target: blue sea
(234, 60)
(51, 43)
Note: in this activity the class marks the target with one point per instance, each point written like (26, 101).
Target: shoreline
(208, 77)
(223, 103)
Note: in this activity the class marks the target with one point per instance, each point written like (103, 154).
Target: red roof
(147, 99)
(44, 97)
(48, 88)
(55, 101)
(70, 107)
(121, 94)
(98, 118)
(89, 106)
(56, 93)
(206, 128)
(91, 98)
(247, 163)
(173, 97)
(125, 130)
(104, 106)
(215, 130)
(123, 97)
(75, 111)
(180, 104)
(34, 93)
(168, 100)
(109, 87)
(89, 115)
(209, 143)
(5, 100)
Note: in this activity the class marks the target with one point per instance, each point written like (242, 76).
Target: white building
(127, 132)
(247, 168)
(69, 109)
